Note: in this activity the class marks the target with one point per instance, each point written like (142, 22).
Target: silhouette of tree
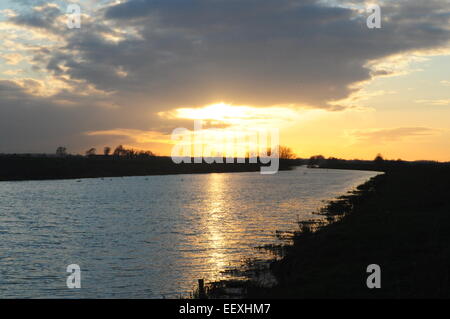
(286, 153)
(316, 160)
(379, 159)
(131, 153)
(119, 151)
(91, 152)
(107, 151)
(146, 154)
(61, 151)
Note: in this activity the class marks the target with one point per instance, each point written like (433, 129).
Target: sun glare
(236, 115)
(218, 111)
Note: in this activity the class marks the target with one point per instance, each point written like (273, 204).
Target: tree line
(119, 151)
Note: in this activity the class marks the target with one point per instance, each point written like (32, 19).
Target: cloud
(137, 136)
(436, 102)
(198, 52)
(386, 135)
(306, 53)
(12, 72)
(41, 17)
(12, 58)
(29, 123)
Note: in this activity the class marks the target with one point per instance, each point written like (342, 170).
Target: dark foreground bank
(399, 220)
(22, 167)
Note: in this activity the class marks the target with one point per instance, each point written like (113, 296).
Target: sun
(235, 115)
(218, 111)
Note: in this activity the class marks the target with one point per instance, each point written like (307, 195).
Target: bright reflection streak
(215, 217)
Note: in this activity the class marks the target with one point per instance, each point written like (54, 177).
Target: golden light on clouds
(233, 130)
(441, 102)
(236, 115)
(220, 129)
(137, 136)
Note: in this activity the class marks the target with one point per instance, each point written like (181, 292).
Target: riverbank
(22, 167)
(399, 220)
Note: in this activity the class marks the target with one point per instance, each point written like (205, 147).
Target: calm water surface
(149, 237)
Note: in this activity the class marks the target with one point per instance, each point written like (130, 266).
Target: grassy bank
(399, 220)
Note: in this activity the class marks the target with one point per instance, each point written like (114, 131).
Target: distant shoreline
(26, 168)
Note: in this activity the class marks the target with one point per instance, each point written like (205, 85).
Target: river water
(150, 236)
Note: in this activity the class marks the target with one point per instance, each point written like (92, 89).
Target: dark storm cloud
(43, 19)
(251, 52)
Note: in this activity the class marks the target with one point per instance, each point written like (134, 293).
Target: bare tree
(107, 151)
(145, 154)
(91, 152)
(61, 151)
(379, 158)
(286, 152)
(316, 160)
(119, 151)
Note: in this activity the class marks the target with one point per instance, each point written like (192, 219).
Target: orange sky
(125, 77)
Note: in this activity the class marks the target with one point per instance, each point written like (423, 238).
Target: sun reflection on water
(215, 218)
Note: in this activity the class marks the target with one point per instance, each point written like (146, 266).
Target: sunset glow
(354, 107)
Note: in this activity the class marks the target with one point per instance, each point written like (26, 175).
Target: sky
(135, 70)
